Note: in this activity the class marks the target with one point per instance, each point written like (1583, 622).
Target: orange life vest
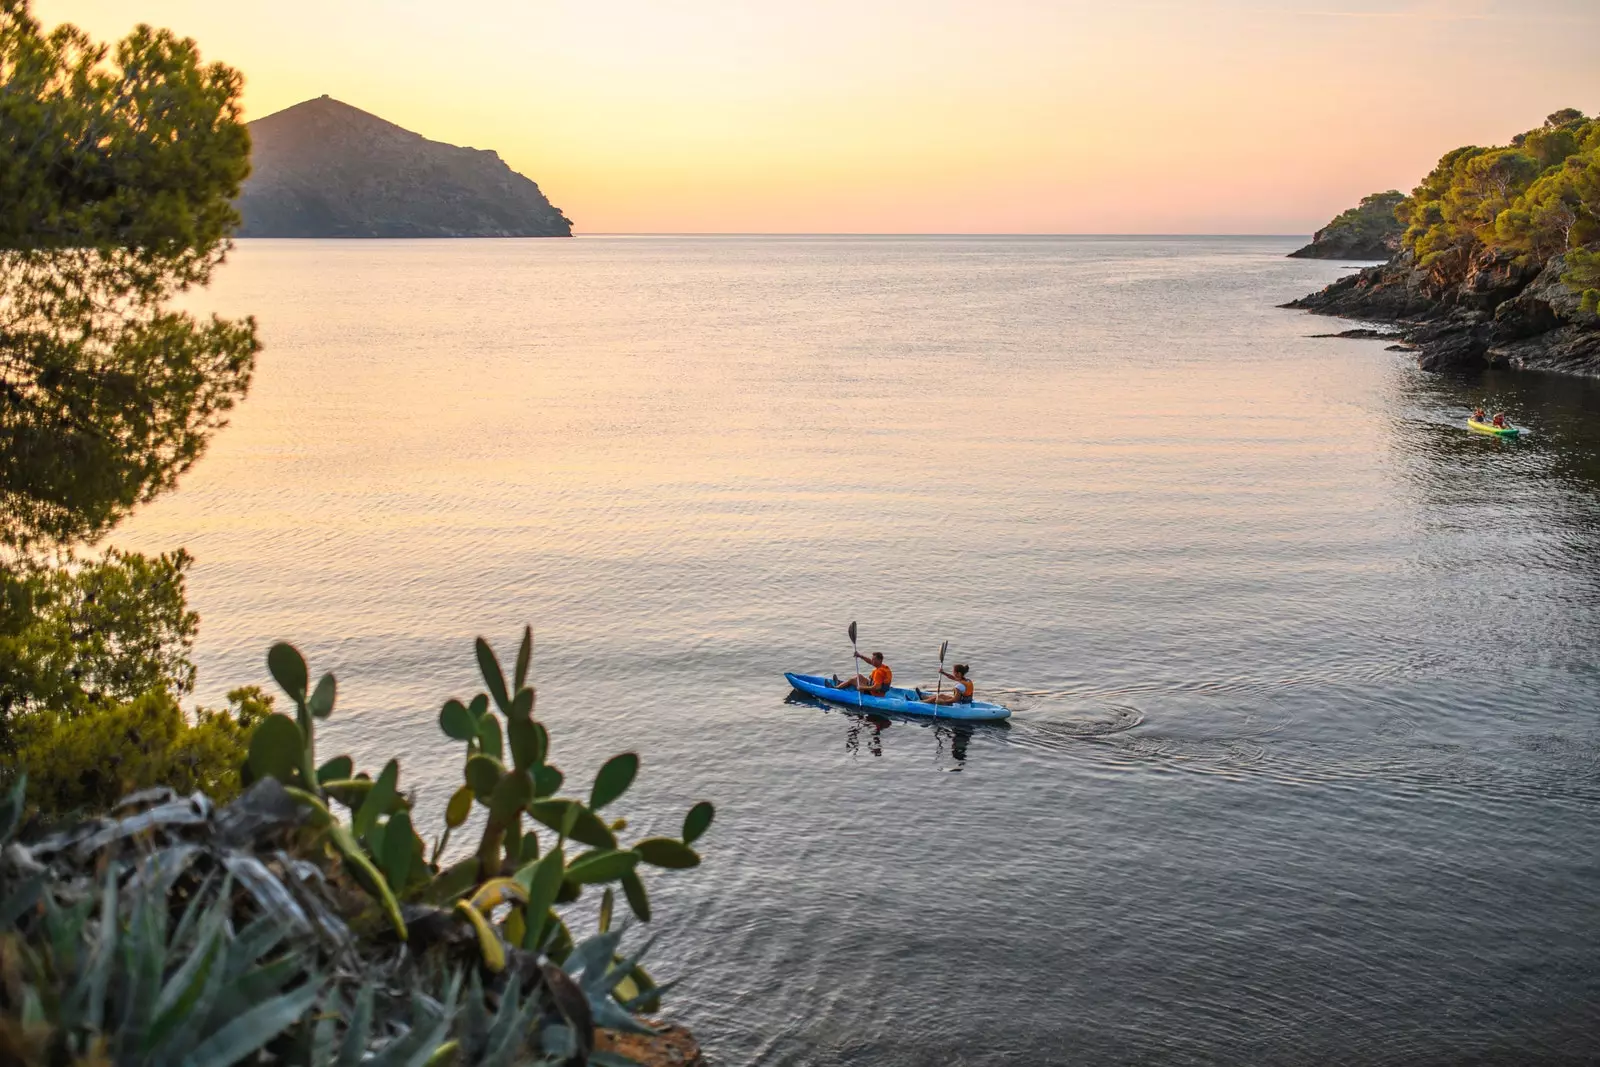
(882, 677)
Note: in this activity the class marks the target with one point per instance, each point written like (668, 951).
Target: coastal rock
(325, 169)
(671, 1046)
(1463, 314)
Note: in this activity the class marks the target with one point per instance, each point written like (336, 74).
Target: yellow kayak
(1491, 429)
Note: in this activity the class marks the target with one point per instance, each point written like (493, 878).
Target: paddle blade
(852, 633)
(943, 648)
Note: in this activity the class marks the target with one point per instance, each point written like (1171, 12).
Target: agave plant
(172, 933)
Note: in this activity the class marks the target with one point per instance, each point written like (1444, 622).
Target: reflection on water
(1305, 760)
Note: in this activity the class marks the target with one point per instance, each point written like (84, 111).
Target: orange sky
(935, 116)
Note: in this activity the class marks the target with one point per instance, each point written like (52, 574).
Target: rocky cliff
(325, 169)
(1501, 309)
(1499, 258)
(1367, 231)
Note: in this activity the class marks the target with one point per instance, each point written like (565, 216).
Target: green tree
(115, 194)
(117, 176)
(1560, 211)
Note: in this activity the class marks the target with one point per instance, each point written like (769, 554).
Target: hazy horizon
(874, 117)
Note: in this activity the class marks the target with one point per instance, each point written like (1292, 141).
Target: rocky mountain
(1367, 231)
(325, 169)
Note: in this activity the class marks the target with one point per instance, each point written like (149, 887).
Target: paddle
(944, 646)
(855, 671)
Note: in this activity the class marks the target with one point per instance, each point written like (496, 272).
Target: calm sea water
(1305, 765)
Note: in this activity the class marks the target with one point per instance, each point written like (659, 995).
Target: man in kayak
(963, 690)
(876, 685)
(1479, 416)
(1500, 420)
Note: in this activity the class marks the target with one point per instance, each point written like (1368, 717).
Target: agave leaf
(421, 1045)
(20, 901)
(359, 1032)
(188, 1005)
(247, 989)
(320, 703)
(250, 1032)
(492, 676)
(592, 956)
(105, 951)
(253, 942)
(698, 821)
(650, 999)
(613, 779)
(377, 802)
(505, 1017)
(288, 669)
(611, 1016)
(197, 908)
(608, 903)
(264, 887)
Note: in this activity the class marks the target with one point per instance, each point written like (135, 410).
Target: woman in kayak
(1479, 416)
(1500, 420)
(963, 690)
(878, 684)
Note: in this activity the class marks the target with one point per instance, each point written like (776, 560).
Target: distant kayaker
(876, 685)
(1500, 420)
(963, 690)
(1479, 416)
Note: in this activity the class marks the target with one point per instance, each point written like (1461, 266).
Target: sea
(1304, 765)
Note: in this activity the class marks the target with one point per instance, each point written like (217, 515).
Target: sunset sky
(942, 116)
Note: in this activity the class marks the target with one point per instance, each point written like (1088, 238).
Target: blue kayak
(900, 701)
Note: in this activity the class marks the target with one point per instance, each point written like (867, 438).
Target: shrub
(86, 762)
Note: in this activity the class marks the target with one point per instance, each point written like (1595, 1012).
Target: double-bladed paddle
(853, 661)
(944, 646)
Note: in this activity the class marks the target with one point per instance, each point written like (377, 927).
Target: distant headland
(325, 169)
(1498, 256)
(1367, 231)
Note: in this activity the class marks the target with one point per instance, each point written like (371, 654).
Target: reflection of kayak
(903, 701)
(1491, 429)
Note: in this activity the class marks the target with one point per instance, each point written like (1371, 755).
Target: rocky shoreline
(1502, 310)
